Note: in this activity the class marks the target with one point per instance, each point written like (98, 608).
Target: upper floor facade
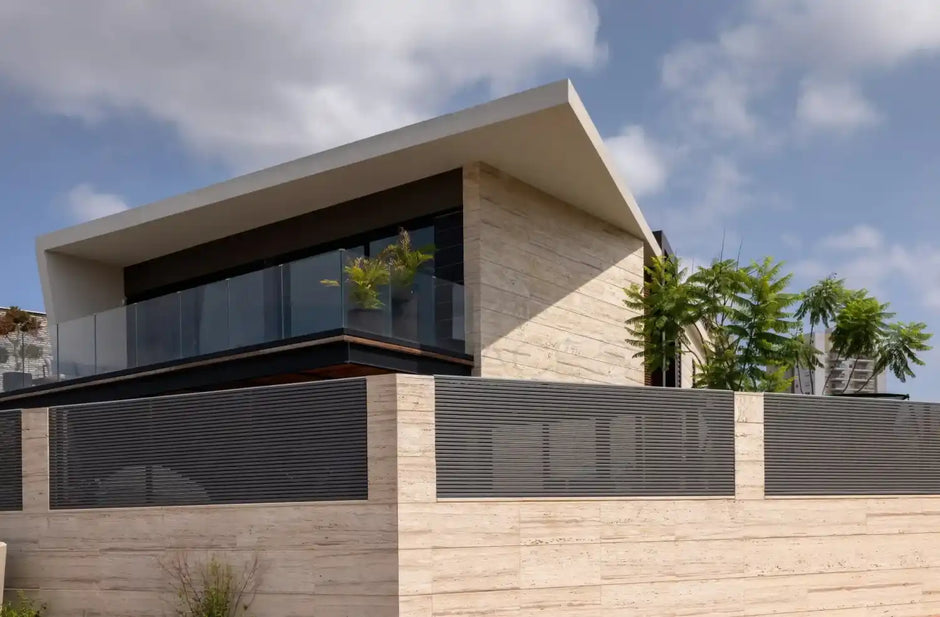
(529, 237)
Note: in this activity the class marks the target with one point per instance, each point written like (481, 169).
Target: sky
(807, 130)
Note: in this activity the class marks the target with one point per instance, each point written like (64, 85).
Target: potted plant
(19, 328)
(364, 278)
(404, 261)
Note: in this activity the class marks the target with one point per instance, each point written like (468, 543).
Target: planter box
(15, 380)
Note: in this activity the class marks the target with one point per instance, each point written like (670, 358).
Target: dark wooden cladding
(314, 232)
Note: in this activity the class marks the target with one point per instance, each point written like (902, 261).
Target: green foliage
(212, 588)
(821, 302)
(859, 326)
(746, 312)
(23, 607)
(754, 337)
(803, 355)
(364, 277)
(404, 261)
(664, 308)
(899, 347)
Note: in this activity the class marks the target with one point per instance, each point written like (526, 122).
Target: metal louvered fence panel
(302, 442)
(500, 438)
(850, 446)
(11, 460)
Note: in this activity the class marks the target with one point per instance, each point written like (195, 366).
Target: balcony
(297, 302)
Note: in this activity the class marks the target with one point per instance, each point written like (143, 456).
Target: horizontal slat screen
(850, 446)
(304, 442)
(499, 438)
(11, 460)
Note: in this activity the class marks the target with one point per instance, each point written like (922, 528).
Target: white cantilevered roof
(542, 136)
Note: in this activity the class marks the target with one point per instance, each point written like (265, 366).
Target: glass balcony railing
(261, 307)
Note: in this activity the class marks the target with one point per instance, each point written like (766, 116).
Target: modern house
(474, 438)
(534, 233)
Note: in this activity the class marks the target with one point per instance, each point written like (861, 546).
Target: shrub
(212, 588)
(24, 607)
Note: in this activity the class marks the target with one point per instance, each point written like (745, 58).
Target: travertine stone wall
(618, 557)
(328, 559)
(408, 554)
(546, 285)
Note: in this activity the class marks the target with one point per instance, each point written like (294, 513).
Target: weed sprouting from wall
(211, 587)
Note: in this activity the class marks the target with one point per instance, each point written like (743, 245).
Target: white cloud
(85, 203)
(829, 45)
(715, 195)
(641, 161)
(865, 259)
(833, 106)
(858, 238)
(256, 82)
(726, 191)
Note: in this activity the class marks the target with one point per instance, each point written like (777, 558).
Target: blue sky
(806, 130)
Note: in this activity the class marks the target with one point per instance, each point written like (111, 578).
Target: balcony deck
(282, 323)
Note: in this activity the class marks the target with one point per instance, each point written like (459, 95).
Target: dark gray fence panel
(850, 446)
(501, 438)
(11, 460)
(304, 442)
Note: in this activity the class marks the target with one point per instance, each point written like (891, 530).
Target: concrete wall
(75, 287)
(546, 285)
(406, 553)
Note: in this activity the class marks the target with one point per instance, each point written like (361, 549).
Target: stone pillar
(402, 469)
(748, 445)
(35, 431)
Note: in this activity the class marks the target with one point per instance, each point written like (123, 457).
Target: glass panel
(412, 310)
(442, 323)
(368, 305)
(254, 307)
(310, 305)
(111, 353)
(76, 348)
(158, 330)
(205, 327)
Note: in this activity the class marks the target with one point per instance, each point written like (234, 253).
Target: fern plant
(364, 276)
(404, 260)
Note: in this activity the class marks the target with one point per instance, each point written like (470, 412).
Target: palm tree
(820, 304)
(898, 350)
(859, 329)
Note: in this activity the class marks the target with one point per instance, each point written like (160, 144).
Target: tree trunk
(868, 381)
(849, 379)
(829, 372)
(812, 371)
